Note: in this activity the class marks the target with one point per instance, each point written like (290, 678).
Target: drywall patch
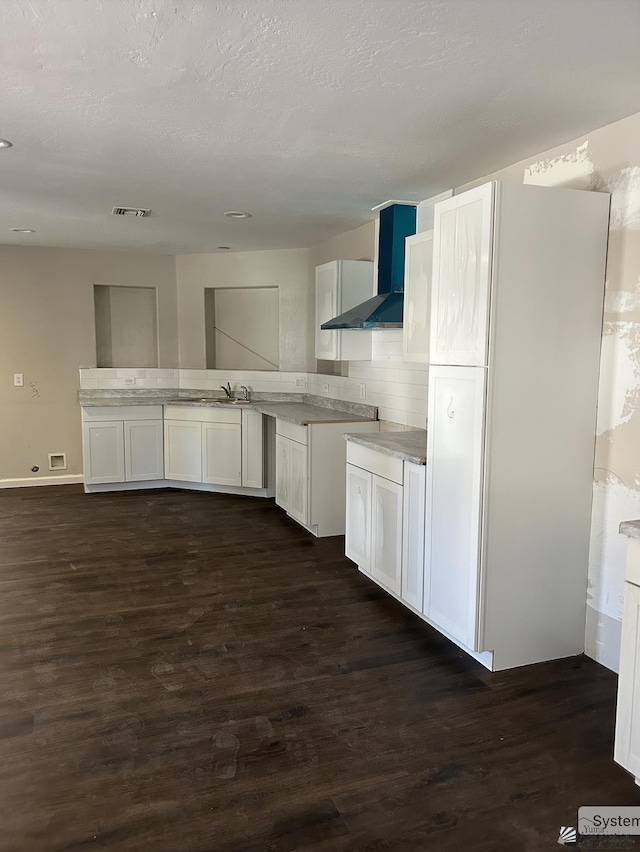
(613, 503)
(624, 187)
(602, 639)
(622, 301)
(619, 388)
(574, 169)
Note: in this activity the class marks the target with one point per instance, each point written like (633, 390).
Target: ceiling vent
(131, 211)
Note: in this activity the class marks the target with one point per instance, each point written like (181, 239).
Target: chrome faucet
(227, 389)
(245, 392)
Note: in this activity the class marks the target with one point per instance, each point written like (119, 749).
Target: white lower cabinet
(358, 527)
(413, 535)
(103, 451)
(627, 738)
(386, 538)
(311, 471)
(183, 450)
(292, 482)
(205, 445)
(222, 453)
(122, 444)
(385, 521)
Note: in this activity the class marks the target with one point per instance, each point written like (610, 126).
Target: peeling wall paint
(624, 187)
(607, 160)
(574, 169)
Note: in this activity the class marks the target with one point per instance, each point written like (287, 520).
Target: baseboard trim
(67, 479)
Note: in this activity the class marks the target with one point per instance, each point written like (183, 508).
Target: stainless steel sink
(214, 401)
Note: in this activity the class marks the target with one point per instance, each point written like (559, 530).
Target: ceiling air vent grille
(131, 211)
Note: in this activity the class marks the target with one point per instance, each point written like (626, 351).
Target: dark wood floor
(185, 671)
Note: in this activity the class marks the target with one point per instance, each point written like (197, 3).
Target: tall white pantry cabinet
(516, 322)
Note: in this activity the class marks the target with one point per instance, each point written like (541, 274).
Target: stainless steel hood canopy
(397, 221)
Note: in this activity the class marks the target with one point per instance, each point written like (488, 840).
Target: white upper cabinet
(463, 233)
(341, 285)
(416, 327)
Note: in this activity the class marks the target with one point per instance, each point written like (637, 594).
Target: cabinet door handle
(450, 411)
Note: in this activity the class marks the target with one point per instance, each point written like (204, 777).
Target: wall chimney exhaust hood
(397, 221)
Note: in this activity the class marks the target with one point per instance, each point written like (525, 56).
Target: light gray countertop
(294, 408)
(630, 528)
(304, 413)
(410, 446)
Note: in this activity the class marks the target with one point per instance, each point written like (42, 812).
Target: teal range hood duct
(397, 221)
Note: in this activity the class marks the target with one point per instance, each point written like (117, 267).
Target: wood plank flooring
(192, 672)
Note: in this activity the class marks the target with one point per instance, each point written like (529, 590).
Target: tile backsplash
(397, 388)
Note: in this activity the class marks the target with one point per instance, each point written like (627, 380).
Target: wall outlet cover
(129, 381)
(301, 382)
(325, 387)
(18, 380)
(363, 390)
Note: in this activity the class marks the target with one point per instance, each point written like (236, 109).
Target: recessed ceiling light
(237, 214)
(22, 230)
(224, 248)
(4, 143)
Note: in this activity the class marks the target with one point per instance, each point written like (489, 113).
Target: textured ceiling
(304, 112)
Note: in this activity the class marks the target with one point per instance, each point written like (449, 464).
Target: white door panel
(283, 471)
(463, 236)
(455, 439)
(143, 445)
(103, 450)
(222, 453)
(627, 745)
(358, 525)
(327, 342)
(418, 268)
(183, 450)
(413, 535)
(386, 538)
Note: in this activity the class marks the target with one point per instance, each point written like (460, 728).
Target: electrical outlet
(325, 387)
(18, 380)
(129, 381)
(301, 382)
(363, 390)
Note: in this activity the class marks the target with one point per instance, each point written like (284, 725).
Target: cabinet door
(283, 471)
(327, 301)
(416, 326)
(103, 452)
(627, 744)
(413, 535)
(222, 453)
(462, 241)
(386, 537)
(455, 438)
(298, 482)
(358, 521)
(183, 450)
(252, 449)
(143, 450)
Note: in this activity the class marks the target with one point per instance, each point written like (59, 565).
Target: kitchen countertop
(304, 413)
(410, 446)
(301, 410)
(630, 528)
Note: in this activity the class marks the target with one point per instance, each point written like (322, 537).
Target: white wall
(47, 331)
(286, 269)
